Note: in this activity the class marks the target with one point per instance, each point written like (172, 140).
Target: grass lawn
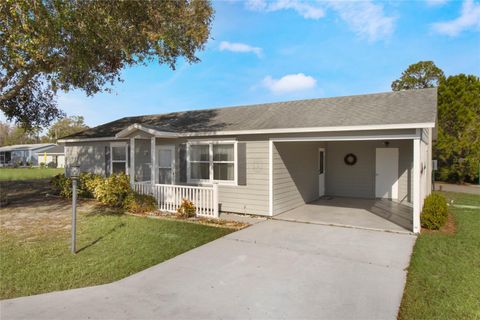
(443, 279)
(111, 247)
(11, 174)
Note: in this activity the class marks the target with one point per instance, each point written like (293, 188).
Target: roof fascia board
(129, 130)
(314, 129)
(347, 138)
(88, 139)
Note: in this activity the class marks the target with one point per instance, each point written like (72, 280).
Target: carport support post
(416, 185)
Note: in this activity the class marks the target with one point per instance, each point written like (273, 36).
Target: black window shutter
(242, 163)
(107, 161)
(182, 155)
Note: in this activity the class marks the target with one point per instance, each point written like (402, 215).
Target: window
(223, 162)
(118, 154)
(212, 161)
(200, 162)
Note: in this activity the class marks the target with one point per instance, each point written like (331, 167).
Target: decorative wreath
(350, 159)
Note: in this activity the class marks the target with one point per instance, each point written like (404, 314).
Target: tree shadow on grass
(117, 227)
(99, 209)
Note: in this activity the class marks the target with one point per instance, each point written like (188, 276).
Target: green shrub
(435, 211)
(62, 185)
(89, 183)
(86, 185)
(187, 209)
(113, 190)
(139, 203)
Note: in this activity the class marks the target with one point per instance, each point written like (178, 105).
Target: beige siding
(90, 156)
(251, 194)
(295, 174)
(252, 197)
(359, 180)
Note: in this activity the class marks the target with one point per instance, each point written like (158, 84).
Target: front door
(166, 164)
(386, 173)
(321, 172)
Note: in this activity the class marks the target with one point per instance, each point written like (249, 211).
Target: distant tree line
(457, 147)
(16, 134)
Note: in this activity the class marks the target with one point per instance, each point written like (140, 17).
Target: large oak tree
(51, 45)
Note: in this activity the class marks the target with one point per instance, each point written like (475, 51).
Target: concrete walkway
(274, 269)
(462, 188)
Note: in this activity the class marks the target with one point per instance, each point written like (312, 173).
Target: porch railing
(169, 197)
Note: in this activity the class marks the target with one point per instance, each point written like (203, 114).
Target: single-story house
(54, 154)
(22, 154)
(269, 158)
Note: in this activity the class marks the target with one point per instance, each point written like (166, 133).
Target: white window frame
(210, 144)
(118, 144)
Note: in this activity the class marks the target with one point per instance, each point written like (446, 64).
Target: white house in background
(269, 159)
(22, 154)
(54, 154)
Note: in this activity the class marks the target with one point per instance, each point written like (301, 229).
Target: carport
(373, 179)
(373, 214)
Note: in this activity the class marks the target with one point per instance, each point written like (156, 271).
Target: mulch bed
(198, 220)
(450, 228)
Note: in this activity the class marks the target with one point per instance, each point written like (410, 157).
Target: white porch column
(132, 162)
(153, 178)
(416, 185)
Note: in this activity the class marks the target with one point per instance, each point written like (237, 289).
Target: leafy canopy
(458, 143)
(51, 45)
(421, 75)
(66, 126)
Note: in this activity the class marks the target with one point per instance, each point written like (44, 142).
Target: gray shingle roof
(401, 107)
(26, 147)
(55, 149)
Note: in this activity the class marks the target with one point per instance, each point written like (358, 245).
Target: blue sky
(283, 50)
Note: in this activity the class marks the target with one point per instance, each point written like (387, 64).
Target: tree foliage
(10, 135)
(458, 144)
(66, 126)
(421, 75)
(49, 45)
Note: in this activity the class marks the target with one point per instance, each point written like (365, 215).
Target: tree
(49, 45)
(458, 144)
(66, 126)
(10, 135)
(421, 75)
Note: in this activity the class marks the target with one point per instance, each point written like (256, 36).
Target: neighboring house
(269, 158)
(54, 154)
(22, 154)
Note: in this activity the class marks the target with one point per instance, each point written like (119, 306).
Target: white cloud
(365, 18)
(306, 10)
(433, 3)
(239, 47)
(469, 18)
(289, 83)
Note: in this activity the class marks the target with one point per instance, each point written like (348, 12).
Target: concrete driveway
(274, 269)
